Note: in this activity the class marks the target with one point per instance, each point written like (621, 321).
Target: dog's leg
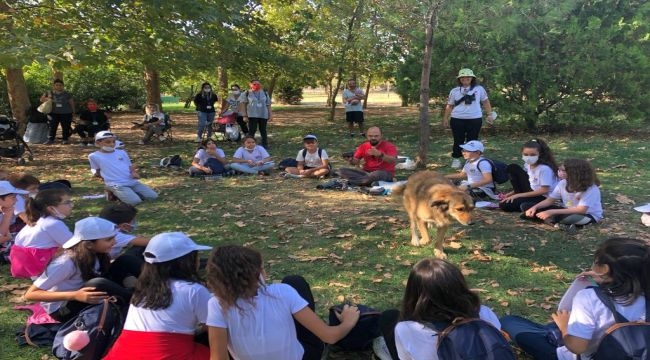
(438, 251)
(424, 232)
(415, 240)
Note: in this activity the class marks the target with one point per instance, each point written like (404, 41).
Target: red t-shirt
(374, 163)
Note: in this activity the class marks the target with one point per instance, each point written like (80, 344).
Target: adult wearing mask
(91, 121)
(62, 111)
(204, 102)
(233, 105)
(255, 106)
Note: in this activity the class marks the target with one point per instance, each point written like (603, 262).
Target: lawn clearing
(348, 245)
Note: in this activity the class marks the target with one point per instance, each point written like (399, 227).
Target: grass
(349, 245)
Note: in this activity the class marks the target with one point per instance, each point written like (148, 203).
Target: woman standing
(62, 111)
(204, 102)
(255, 106)
(464, 107)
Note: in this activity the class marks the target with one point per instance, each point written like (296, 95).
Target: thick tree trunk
(152, 85)
(329, 88)
(271, 87)
(425, 126)
(365, 98)
(18, 96)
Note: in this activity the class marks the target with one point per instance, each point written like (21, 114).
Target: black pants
(254, 123)
(464, 130)
(361, 178)
(87, 132)
(520, 184)
(242, 124)
(66, 126)
(72, 308)
(311, 343)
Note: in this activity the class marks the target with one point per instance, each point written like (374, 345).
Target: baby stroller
(18, 146)
(225, 128)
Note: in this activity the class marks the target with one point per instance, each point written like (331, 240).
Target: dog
(430, 198)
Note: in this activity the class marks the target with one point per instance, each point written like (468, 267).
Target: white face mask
(207, 89)
(645, 219)
(530, 160)
(107, 148)
(57, 214)
(33, 194)
(236, 92)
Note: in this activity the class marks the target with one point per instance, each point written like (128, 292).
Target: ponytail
(36, 208)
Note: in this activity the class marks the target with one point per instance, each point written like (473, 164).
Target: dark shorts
(354, 117)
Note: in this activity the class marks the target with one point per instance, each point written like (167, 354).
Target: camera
(469, 99)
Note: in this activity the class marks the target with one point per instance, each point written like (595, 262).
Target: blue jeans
(205, 123)
(133, 194)
(252, 169)
(535, 339)
(215, 165)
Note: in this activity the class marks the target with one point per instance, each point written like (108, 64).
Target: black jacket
(205, 103)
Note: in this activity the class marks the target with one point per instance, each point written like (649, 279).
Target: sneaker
(380, 349)
(293, 176)
(334, 184)
(140, 142)
(162, 138)
(197, 140)
(455, 164)
(377, 190)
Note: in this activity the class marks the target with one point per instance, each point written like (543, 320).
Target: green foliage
(110, 87)
(289, 95)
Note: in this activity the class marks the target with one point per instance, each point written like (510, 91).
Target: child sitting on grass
(312, 160)
(252, 158)
(478, 173)
(119, 174)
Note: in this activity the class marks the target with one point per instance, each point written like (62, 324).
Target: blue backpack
(471, 339)
(625, 340)
(499, 170)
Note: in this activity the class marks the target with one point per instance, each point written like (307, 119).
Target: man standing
(379, 157)
(255, 106)
(352, 97)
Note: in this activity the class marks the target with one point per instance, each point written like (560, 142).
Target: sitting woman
(153, 123)
(252, 158)
(209, 160)
(91, 121)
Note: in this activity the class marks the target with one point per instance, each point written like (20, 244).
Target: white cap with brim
(473, 145)
(91, 228)
(6, 188)
(644, 208)
(169, 246)
(310, 137)
(104, 135)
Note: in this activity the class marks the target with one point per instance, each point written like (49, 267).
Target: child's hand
(561, 318)
(349, 314)
(543, 215)
(88, 295)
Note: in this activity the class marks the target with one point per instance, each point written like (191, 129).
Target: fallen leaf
(529, 302)
(504, 303)
(371, 226)
(344, 235)
(338, 284)
(623, 199)
(240, 224)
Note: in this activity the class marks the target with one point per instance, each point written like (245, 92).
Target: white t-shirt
(122, 240)
(474, 174)
(257, 154)
(541, 175)
(203, 156)
(589, 198)
(189, 308)
(48, 232)
(348, 94)
(115, 167)
(21, 202)
(465, 111)
(415, 341)
(264, 330)
(60, 275)
(590, 318)
(312, 160)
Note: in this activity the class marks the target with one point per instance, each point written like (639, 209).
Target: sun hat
(310, 137)
(6, 188)
(91, 228)
(104, 135)
(473, 145)
(169, 246)
(465, 73)
(643, 208)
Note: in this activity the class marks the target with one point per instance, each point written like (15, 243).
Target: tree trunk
(365, 98)
(330, 90)
(223, 87)
(18, 96)
(425, 126)
(271, 86)
(335, 92)
(152, 86)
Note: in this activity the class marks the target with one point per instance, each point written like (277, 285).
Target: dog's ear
(441, 204)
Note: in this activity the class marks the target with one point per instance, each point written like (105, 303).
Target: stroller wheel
(30, 158)
(21, 161)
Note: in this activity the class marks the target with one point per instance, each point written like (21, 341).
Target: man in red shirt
(379, 157)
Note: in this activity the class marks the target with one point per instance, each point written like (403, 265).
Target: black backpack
(625, 340)
(103, 322)
(472, 338)
(173, 161)
(292, 162)
(363, 333)
(499, 170)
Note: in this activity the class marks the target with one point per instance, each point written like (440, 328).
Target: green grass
(354, 246)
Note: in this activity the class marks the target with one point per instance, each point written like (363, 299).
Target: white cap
(91, 228)
(473, 145)
(310, 137)
(169, 246)
(104, 135)
(6, 188)
(643, 208)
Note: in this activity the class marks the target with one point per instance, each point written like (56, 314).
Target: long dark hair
(580, 175)
(152, 291)
(545, 154)
(233, 273)
(37, 207)
(84, 257)
(629, 268)
(436, 291)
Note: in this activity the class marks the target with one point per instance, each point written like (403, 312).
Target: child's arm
(87, 295)
(486, 179)
(139, 241)
(542, 204)
(539, 192)
(457, 175)
(218, 343)
(575, 344)
(329, 334)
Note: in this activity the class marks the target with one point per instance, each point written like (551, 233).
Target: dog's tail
(398, 190)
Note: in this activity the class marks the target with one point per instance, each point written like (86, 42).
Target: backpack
(471, 339)
(292, 162)
(363, 333)
(625, 339)
(499, 170)
(320, 153)
(173, 161)
(103, 322)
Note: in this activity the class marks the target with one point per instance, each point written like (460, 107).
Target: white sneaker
(198, 140)
(455, 164)
(380, 349)
(162, 138)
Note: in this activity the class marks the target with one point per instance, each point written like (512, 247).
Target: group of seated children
(538, 186)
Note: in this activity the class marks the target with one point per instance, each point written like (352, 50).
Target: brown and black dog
(431, 198)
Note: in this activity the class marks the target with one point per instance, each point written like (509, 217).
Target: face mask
(236, 92)
(256, 87)
(645, 219)
(207, 89)
(530, 160)
(107, 148)
(57, 214)
(92, 107)
(32, 194)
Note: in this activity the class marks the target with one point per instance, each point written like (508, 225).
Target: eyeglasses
(67, 202)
